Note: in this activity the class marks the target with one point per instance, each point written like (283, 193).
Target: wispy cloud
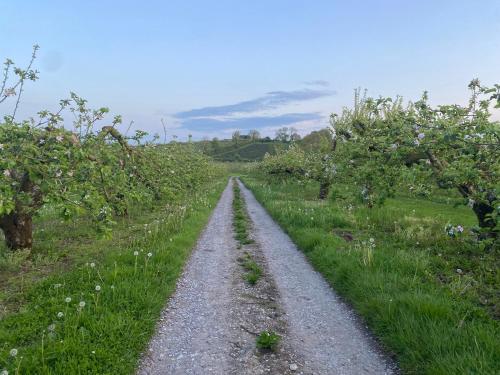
(247, 123)
(318, 82)
(271, 100)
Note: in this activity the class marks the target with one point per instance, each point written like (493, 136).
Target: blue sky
(209, 68)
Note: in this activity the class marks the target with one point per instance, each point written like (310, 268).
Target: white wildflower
(59, 138)
(6, 173)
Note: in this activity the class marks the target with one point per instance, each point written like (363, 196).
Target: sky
(208, 68)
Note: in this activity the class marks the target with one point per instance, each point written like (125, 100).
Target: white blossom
(9, 92)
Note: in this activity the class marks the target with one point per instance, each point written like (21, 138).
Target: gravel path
(193, 334)
(322, 329)
(211, 320)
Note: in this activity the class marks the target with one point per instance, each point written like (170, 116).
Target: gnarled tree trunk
(18, 230)
(324, 189)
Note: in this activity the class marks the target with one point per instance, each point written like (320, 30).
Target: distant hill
(246, 149)
(249, 152)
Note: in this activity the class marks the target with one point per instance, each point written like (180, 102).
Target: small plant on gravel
(254, 270)
(268, 340)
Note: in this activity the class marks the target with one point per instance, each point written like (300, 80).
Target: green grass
(109, 333)
(435, 319)
(254, 271)
(267, 340)
(240, 218)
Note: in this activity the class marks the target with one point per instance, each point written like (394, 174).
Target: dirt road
(212, 320)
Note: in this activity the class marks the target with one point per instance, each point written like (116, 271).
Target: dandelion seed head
(97, 288)
(150, 255)
(4, 372)
(136, 253)
(92, 265)
(51, 328)
(82, 304)
(60, 314)
(13, 352)
(67, 299)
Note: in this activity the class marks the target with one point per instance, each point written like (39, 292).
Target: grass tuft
(267, 340)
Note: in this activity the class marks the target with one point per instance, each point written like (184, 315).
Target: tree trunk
(324, 189)
(18, 230)
(486, 222)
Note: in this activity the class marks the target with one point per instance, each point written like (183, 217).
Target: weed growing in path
(240, 220)
(254, 270)
(268, 340)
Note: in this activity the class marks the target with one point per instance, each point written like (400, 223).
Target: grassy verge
(91, 305)
(240, 218)
(431, 299)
